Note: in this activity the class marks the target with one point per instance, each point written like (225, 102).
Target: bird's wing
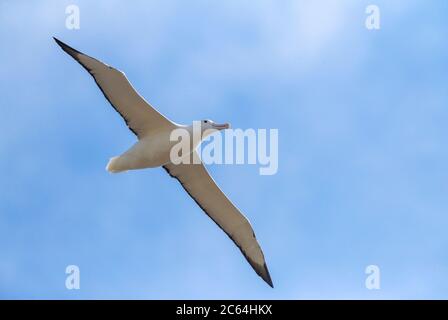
(195, 179)
(139, 115)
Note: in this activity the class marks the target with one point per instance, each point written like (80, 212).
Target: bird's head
(208, 126)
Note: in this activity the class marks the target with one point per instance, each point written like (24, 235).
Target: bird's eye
(205, 121)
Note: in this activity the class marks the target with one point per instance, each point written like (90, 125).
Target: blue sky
(363, 156)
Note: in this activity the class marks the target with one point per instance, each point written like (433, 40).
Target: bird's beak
(221, 126)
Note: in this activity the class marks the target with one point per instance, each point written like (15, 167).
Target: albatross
(152, 149)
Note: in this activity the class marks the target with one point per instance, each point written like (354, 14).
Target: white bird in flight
(153, 150)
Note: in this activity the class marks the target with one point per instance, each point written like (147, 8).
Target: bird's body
(148, 152)
(153, 149)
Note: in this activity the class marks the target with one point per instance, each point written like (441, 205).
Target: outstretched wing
(139, 115)
(195, 179)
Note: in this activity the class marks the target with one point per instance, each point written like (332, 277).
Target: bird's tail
(115, 165)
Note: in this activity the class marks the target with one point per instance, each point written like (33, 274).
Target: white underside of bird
(153, 149)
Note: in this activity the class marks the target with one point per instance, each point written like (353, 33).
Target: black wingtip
(267, 276)
(59, 42)
(71, 51)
